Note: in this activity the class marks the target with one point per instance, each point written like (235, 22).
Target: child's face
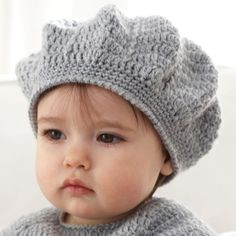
(119, 166)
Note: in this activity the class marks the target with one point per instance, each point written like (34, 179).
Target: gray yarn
(144, 60)
(156, 217)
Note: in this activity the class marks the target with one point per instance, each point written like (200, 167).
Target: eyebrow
(99, 124)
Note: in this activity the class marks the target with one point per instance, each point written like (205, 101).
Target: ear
(166, 168)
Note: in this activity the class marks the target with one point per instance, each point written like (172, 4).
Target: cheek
(123, 185)
(42, 170)
(119, 191)
(46, 168)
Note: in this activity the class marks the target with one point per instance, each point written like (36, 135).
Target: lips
(76, 187)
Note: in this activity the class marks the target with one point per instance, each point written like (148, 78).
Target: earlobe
(166, 168)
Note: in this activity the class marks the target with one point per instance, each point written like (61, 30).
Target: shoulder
(167, 217)
(27, 224)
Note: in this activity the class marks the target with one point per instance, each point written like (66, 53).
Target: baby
(119, 107)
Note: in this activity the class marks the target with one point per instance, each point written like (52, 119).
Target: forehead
(75, 100)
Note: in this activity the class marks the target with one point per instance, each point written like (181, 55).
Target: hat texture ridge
(144, 60)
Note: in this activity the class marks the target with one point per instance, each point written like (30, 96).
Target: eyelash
(47, 133)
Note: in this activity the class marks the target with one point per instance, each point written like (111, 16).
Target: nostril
(77, 157)
(76, 163)
(85, 165)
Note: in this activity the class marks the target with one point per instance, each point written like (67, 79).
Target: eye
(109, 138)
(54, 134)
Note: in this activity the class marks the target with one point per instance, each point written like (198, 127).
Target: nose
(77, 158)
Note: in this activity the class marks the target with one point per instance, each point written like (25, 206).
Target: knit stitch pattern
(144, 60)
(156, 217)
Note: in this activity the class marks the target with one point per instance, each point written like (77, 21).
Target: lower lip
(78, 190)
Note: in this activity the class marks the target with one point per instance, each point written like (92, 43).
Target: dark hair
(81, 91)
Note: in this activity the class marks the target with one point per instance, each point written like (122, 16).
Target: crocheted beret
(142, 59)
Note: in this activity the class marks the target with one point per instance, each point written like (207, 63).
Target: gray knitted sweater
(156, 216)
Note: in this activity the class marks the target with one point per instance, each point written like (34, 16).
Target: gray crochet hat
(144, 60)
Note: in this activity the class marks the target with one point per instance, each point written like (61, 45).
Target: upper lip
(74, 182)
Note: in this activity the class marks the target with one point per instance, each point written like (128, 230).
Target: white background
(210, 23)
